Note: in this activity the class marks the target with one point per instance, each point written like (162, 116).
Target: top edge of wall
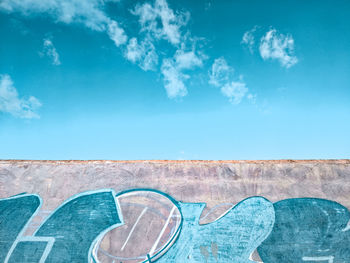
(330, 161)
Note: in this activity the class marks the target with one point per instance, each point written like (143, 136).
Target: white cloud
(252, 98)
(10, 102)
(220, 72)
(235, 91)
(133, 51)
(222, 76)
(278, 46)
(173, 79)
(116, 33)
(273, 45)
(89, 13)
(150, 59)
(248, 39)
(172, 70)
(157, 22)
(161, 21)
(187, 60)
(143, 54)
(50, 51)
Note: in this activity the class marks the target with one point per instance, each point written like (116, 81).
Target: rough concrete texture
(220, 184)
(213, 182)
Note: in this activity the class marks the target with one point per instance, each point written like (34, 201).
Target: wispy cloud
(89, 13)
(173, 70)
(157, 22)
(188, 60)
(161, 21)
(222, 76)
(50, 51)
(116, 33)
(163, 36)
(252, 98)
(220, 72)
(134, 51)
(235, 91)
(248, 39)
(143, 54)
(273, 45)
(278, 46)
(173, 79)
(11, 103)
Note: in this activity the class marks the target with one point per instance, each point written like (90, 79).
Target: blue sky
(163, 79)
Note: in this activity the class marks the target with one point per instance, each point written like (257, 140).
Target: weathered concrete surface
(213, 182)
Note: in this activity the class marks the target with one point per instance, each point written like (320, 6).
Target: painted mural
(147, 225)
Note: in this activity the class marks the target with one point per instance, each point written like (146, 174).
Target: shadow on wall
(145, 225)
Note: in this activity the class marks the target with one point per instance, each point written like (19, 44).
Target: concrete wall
(219, 184)
(188, 181)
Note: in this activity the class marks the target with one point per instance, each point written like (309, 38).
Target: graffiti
(15, 214)
(232, 238)
(67, 235)
(150, 216)
(146, 225)
(308, 230)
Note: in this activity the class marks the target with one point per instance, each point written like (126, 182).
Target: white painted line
(347, 228)
(162, 232)
(133, 228)
(327, 258)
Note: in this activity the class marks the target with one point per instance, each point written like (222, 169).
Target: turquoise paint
(294, 230)
(67, 235)
(77, 225)
(176, 203)
(29, 249)
(28, 252)
(308, 230)
(231, 238)
(15, 214)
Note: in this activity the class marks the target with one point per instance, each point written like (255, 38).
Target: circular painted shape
(152, 222)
